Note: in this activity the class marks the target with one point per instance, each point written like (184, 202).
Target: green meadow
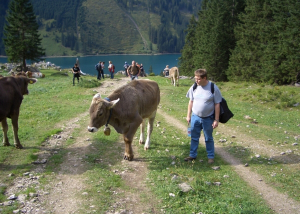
(274, 121)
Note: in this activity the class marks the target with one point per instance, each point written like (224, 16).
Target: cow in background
(125, 109)
(11, 96)
(174, 75)
(31, 74)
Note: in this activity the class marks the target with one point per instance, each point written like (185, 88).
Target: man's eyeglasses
(196, 78)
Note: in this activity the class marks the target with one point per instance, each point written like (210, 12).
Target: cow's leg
(5, 129)
(128, 137)
(14, 120)
(174, 81)
(142, 127)
(149, 130)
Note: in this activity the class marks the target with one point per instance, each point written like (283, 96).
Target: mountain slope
(91, 27)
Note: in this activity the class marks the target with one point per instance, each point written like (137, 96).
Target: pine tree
(21, 39)
(251, 33)
(186, 59)
(214, 36)
(281, 59)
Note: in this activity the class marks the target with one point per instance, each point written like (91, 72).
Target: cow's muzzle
(92, 129)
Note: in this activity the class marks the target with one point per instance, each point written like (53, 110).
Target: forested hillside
(245, 40)
(88, 27)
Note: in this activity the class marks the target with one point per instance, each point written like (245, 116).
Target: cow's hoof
(141, 142)
(129, 158)
(146, 148)
(6, 144)
(19, 146)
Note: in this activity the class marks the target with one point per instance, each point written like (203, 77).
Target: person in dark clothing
(99, 70)
(102, 69)
(126, 65)
(142, 71)
(76, 73)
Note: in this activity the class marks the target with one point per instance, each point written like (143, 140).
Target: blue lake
(87, 63)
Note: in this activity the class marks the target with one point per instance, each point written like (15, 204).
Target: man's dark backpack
(225, 113)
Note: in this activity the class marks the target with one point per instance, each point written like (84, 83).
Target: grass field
(53, 100)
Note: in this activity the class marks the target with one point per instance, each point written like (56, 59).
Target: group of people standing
(134, 70)
(100, 69)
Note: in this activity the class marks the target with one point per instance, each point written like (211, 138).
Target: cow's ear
(113, 103)
(98, 95)
(32, 80)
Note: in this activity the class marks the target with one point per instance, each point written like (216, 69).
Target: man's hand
(215, 124)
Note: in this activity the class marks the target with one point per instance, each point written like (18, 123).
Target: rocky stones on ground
(185, 187)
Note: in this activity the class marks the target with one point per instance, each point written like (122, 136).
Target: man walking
(203, 114)
(76, 73)
(133, 71)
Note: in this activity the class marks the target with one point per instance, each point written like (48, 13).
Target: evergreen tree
(186, 60)
(268, 47)
(281, 58)
(22, 40)
(252, 35)
(212, 38)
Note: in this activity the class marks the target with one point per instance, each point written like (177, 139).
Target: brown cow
(11, 96)
(31, 74)
(174, 75)
(125, 109)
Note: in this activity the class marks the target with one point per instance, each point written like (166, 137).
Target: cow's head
(23, 83)
(99, 112)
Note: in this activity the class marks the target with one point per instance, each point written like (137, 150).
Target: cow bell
(107, 131)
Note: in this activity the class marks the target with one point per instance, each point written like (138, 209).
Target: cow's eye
(100, 114)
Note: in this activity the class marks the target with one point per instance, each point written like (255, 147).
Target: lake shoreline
(157, 54)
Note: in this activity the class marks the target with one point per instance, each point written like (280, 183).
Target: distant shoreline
(104, 55)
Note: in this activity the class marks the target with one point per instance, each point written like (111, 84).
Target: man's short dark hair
(201, 72)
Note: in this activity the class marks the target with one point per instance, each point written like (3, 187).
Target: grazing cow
(174, 75)
(31, 74)
(125, 109)
(11, 96)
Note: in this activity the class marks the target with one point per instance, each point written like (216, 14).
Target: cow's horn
(114, 102)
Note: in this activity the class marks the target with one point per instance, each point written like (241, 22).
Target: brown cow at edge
(11, 96)
(174, 75)
(125, 109)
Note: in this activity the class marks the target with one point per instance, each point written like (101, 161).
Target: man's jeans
(133, 77)
(205, 124)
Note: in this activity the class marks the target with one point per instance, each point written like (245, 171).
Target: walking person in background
(111, 69)
(142, 71)
(99, 70)
(133, 71)
(203, 114)
(166, 71)
(102, 69)
(126, 65)
(76, 73)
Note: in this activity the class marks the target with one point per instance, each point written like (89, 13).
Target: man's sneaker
(189, 159)
(211, 160)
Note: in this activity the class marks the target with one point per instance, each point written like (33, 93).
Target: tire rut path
(279, 202)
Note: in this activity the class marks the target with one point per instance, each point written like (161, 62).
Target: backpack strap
(212, 87)
(194, 86)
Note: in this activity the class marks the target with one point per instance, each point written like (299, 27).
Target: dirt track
(60, 195)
